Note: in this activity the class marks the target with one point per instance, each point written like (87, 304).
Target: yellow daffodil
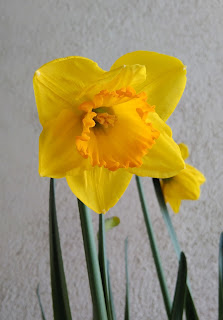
(101, 127)
(184, 186)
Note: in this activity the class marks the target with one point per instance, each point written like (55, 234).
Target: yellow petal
(57, 146)
(99, 188)
(175, 204)
(164, 160)
(191, 179)
(184, 150)
(184, 186)
(165, 81)
(58, 83)
(121, 77)
(173, 200)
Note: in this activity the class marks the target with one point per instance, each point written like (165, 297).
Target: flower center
(105, 119)
(116, 130)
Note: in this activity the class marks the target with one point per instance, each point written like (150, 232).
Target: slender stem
(40, 304)
(103, 263)
(61, 305)
(180, 290)
(110, 293)
(189, 306)
(97, 294)
(166, 216)
(154, 248)
(127, 307)
(220, 289)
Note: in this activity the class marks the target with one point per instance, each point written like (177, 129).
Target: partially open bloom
(100, 127)
(184, 186)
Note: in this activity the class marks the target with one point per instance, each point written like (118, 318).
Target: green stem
(110, 294)
(220, 289)
(103, 263)
(97, 294)
(127, 307)
(166, 216)
(154, 248)
(40, 304)
(189, 306)
(61, 306)
(180, 290)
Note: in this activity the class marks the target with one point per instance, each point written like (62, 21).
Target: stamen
(106, 119)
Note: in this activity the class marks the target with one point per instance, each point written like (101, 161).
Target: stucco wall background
(35, 32)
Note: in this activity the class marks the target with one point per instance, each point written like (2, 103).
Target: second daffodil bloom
(101, 127)
(184, 186)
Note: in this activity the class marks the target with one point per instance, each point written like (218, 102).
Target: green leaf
(112, 222)
(220, 297)
(190, 309)
(61, 307)
(154, 248)
(110, 294)
(166, 216)
(127, 312)
(103, 264)
(191, 313)
(40, 303)
(180, 290)
(94, 275)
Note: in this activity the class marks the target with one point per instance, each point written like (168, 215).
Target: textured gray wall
(35, 32)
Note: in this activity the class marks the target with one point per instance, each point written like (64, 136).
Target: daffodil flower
(101, 127)
(184, 186)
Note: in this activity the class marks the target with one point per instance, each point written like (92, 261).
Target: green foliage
(98, 266)
(127, 308)
(61, 307)
(103, 264)
(220, 295)
(191, 313)
(110, 294)
(40, 303)
(110, 223)
(180, 291)
(190, 309)
(94, 275)
(154, 248)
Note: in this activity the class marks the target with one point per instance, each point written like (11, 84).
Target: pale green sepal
(111, 223)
